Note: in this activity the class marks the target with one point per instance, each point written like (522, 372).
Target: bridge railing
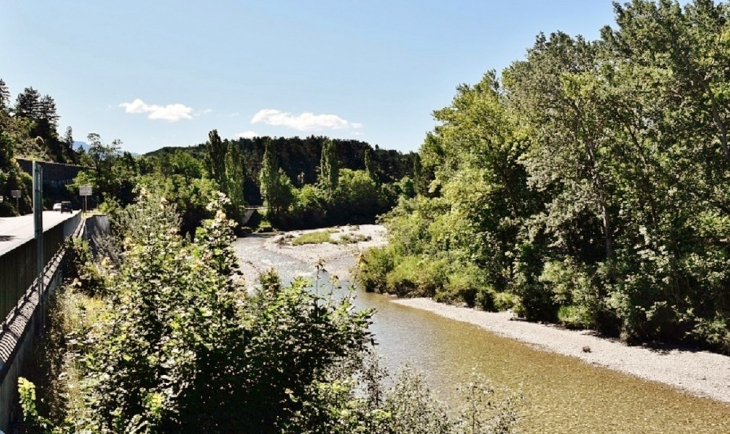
(18, 266)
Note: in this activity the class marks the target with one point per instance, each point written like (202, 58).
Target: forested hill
(28, 128)
(300, 159)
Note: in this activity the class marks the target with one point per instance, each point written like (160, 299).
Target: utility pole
(38, 223)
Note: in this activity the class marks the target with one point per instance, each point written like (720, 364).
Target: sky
(165, 73)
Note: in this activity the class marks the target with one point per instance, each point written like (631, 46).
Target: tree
(27, 103)
(215, 158)
(370, 165)
(68, 139)
(235, 178)
(329, 168)
(4, 96)
(560, 93)
(47, 119)
(103, 157)
(276, 187)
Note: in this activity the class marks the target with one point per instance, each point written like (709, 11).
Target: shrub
(373, 267)
(504, 301)
(575, 293)
(404, 279)
(467, 284)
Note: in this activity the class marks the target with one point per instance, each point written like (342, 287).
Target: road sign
(84, 190)
(15, 193)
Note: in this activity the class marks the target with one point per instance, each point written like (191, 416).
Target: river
(561, 394)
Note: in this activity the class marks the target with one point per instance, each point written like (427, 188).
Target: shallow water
(561, 394)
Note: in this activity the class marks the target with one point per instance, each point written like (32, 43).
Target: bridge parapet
(19, 302)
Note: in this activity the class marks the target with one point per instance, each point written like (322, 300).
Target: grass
(317, 237)
(325, 236)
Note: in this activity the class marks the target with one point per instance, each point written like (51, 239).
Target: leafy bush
(178, 345)
(373, 267)
(467, 284)
(574, 292)
(415, 277)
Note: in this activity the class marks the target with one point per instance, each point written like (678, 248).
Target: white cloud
(170, 112)
(303, 122)
(247, 134)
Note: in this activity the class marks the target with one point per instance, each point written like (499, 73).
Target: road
(14, 231)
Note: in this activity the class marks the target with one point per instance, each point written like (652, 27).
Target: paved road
(14, 231)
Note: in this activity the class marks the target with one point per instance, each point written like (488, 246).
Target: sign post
(85, 191)
(16, 195)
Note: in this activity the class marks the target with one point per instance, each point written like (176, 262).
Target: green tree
(276, 187)
(215, 158)
(329, 167)
(4, 96)
(27, 103)
(68, 139)
(235, 178)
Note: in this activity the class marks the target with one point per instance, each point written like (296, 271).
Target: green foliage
(215, 157)
(235, 179)
(329, 168)
(574, 292)
(317, 237)
(26, 390)
(588, 184)
(276, 187)
(183, 346)
(190, 196)
(406, 407)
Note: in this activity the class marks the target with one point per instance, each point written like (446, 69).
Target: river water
(561, 394)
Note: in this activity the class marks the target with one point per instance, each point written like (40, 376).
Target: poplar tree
(276, 188)
(4, 96)
(329, 168)
(235, 175)
(215, 158)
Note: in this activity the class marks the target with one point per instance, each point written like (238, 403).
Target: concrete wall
(24, 320)
(17, 267)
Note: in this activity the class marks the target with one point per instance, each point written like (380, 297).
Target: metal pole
(38, 223)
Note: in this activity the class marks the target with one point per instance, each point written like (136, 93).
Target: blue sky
(160, 73)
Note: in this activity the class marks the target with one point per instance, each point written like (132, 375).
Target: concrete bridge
(21, 304)
(249, 212)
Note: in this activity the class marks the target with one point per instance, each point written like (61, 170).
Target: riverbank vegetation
(347, 183)
(586, 185)
(159, 335)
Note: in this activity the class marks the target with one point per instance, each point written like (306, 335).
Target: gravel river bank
(695, 373)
